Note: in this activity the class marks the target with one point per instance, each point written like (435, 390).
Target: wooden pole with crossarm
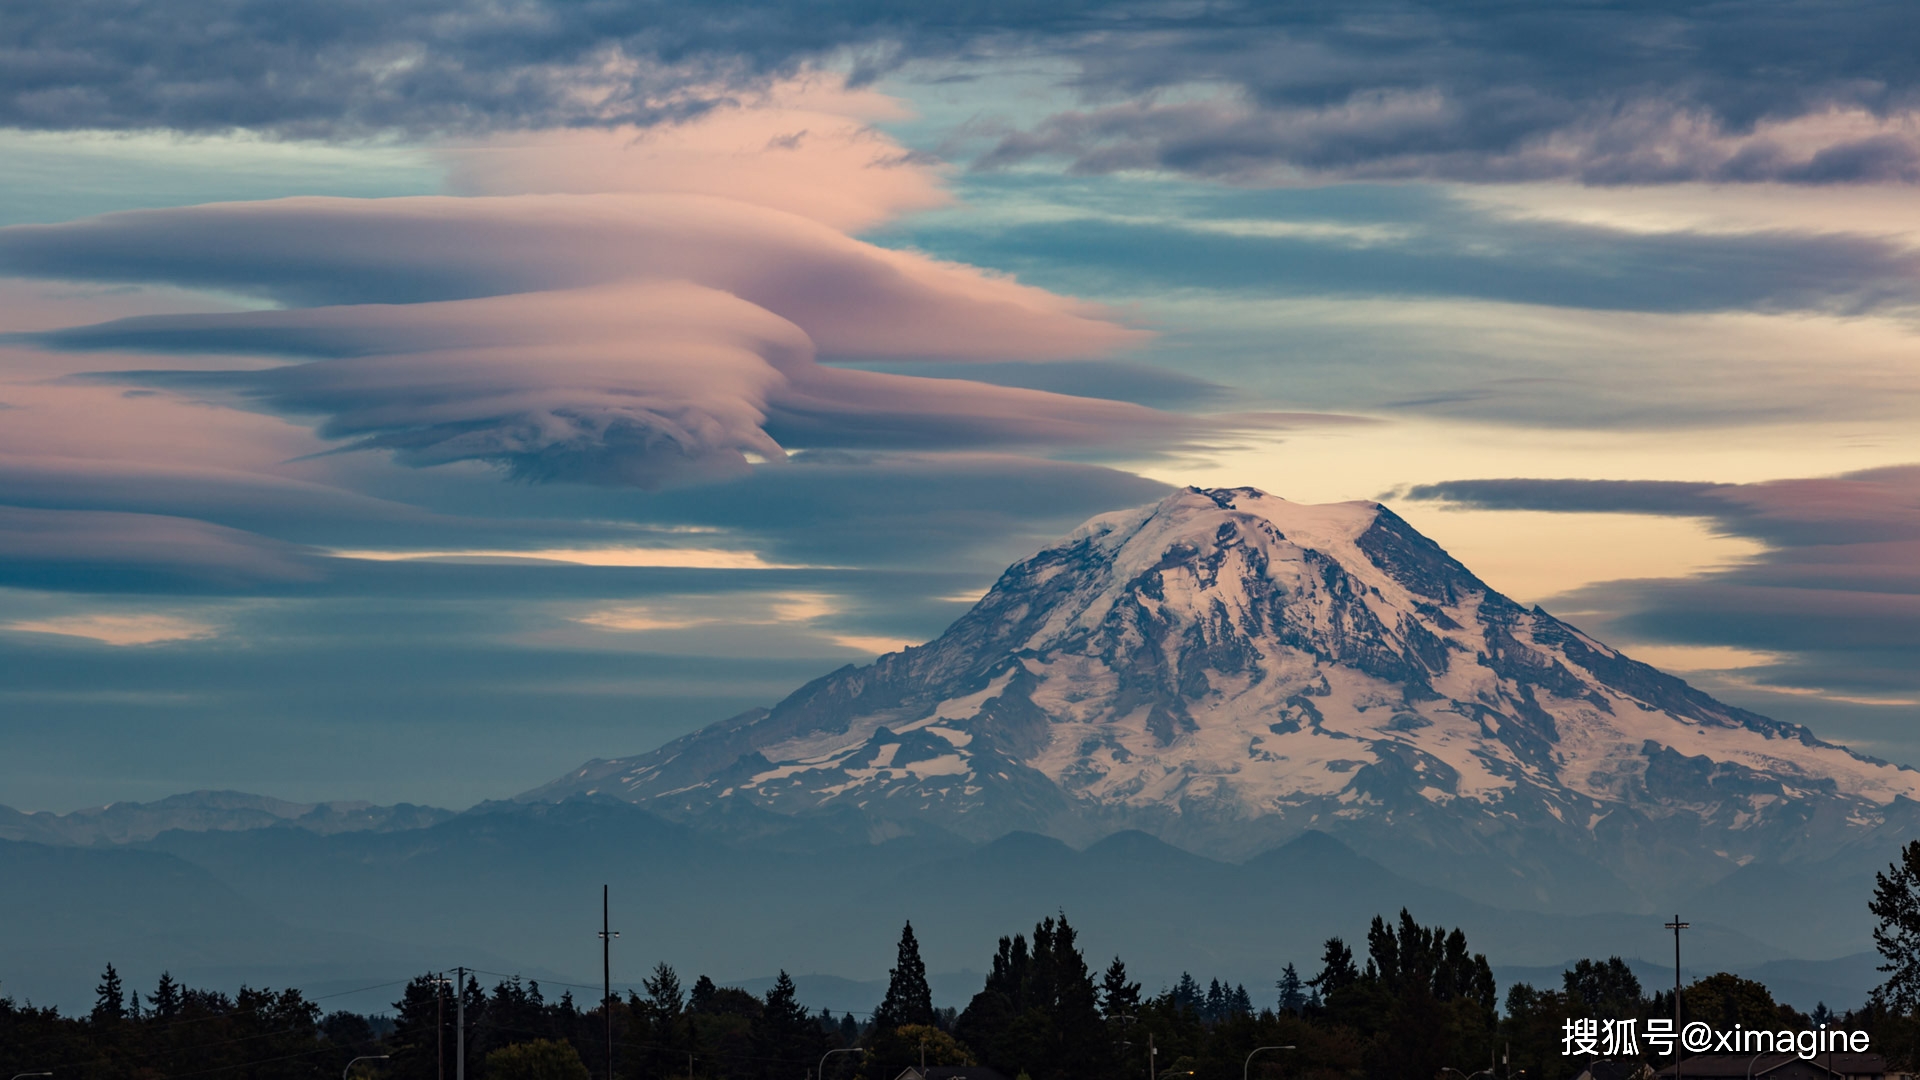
(1676, 926)
(606, 973)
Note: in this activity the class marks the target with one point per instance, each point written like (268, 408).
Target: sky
(409, 401)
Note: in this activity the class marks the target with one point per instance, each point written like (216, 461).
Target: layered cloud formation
(626, 337)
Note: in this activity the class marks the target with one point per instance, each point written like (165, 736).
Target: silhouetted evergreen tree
(785, 1035)
(165, 998)
(422, 1037)
(1118, 997)
(1213, 1008)
(1337, 970)
(1293, 996)
(909, 999)
(109, 1003)
(663, 991)
(1188, 996)
(1896, 904)
(701, 995)
(1422, 1002)
(1039, 1011)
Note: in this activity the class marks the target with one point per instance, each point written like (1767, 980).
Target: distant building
(1784, 1067)
(950, 1072)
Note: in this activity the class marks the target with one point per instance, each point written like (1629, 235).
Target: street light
(343, 1072)
(1249, 1062)
(23, 1076)
(822, 1074)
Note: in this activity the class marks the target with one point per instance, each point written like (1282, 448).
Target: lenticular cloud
(627, 336)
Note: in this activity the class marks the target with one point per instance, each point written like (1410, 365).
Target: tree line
(1415, 1003)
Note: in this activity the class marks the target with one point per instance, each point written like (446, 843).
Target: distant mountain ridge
(1226, 669)
(200, 811)
(516, 887)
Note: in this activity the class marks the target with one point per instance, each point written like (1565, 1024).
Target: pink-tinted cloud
(633, 383)
(645, 309)
(851, 298)
(808, 147)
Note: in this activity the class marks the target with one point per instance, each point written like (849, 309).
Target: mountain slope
(128, 822)
(1226, 669)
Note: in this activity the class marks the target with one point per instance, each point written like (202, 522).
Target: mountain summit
(1226, 669)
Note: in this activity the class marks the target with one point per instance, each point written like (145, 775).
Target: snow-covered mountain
(1227, 669)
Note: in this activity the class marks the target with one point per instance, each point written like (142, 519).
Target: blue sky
(479, 392)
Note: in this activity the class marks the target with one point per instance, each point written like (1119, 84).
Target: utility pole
(606, 972)
(440, 1026)
(460, 1025)
(1676, 926)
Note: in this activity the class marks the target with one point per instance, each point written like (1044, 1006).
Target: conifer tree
(1337, 970)
(1040, 1009)
(1293, 996)
(909, 999)
(700, 998)
(1896, 903)
(663, 991)
(165, 998)
(1118, 997)
(1187, 994)
(1240, 1003)
(109, 1001)
(1214, 1008)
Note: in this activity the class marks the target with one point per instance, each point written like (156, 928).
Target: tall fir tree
(1118, 997)
(1215, 1008)
(1293, 996)
(909, 999)
(1039, 1012)
(165, 998)
(109, 1002)
(1896, 903)
(663, 991)
(1337, 970)
(1187, 994)
(1240, 1003)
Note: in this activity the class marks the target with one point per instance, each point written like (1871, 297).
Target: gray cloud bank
(1797, 92)
(1838, 589)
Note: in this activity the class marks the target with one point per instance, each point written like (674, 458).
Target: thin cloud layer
(112, 552)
